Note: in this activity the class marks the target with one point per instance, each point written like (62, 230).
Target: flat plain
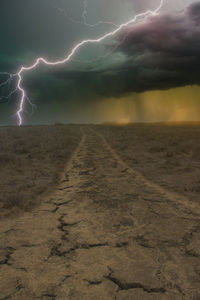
(31, 160)
(118, 215)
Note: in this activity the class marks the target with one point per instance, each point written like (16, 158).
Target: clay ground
(31, 160)
(107, 231)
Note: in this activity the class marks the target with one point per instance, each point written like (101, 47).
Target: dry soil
(106, 232)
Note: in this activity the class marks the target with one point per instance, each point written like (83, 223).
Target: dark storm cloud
(161, 53)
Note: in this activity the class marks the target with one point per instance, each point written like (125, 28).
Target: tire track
(105, 233)
(172, 196)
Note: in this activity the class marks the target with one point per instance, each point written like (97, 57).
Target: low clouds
(161, 53)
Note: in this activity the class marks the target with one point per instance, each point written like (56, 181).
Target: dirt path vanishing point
(106, 233)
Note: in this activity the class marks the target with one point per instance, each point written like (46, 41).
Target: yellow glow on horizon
(124, 121)
(178, 104)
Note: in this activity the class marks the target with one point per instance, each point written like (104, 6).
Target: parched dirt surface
(106, 233)
(167, 154)
(31, 160)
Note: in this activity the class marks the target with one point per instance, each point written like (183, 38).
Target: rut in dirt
(106, 233)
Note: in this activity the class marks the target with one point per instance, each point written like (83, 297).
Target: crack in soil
(18, 288)
(134, 285)
(56, 252)
(102, 181)
(9, 251)
(95, 282)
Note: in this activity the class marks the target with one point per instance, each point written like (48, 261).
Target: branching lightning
(84, 17)
(23, 69)
(87, 24)
(84, 14)
(7, 82)
(10, 76)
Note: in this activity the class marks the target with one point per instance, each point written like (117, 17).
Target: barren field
(122, 223)
(31, 160)
(168, 155)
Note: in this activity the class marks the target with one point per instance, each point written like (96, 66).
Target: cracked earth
(106, 233)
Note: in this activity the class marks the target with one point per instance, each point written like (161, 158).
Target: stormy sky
(148, 72)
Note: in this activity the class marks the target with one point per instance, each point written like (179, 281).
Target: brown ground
(168, 155)
(107, 231)
(31, 160)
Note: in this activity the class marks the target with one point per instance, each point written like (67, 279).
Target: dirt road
(106, 233)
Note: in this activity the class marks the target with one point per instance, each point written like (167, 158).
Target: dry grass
(167, 155)
(31, 160)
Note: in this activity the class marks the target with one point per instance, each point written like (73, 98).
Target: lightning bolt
(85, 23)
(7, 82)
(84, 17)
(39, 60)
(10, 76)
(84, 14)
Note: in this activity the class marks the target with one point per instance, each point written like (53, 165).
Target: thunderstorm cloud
(160, 53)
